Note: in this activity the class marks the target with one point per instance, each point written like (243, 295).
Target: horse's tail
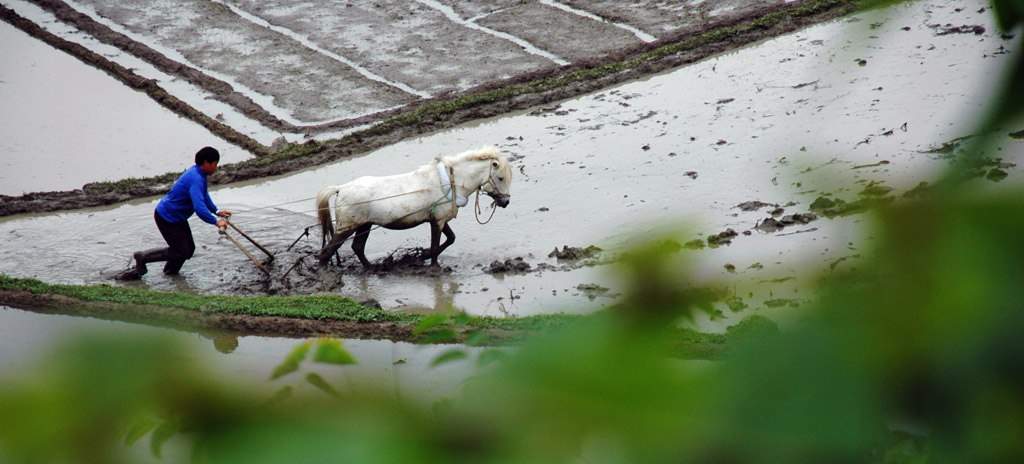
(323, 210)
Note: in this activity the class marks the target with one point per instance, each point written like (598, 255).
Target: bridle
(451, 192)
(494, 186)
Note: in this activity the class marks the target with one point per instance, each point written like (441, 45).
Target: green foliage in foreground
(914, 357)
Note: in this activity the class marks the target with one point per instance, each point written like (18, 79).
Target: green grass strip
(316, 307)
(434, 328)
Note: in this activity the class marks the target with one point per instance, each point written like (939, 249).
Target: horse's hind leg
(359, 243)
(332, 246)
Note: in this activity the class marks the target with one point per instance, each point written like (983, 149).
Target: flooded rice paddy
(66, 124)
(822, 112)
(826, 111)
(295, 67)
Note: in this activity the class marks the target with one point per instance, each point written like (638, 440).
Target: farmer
(188, 195)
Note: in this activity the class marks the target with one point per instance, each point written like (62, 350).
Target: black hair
(207, 154)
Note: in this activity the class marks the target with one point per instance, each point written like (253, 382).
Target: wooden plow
(247, 253)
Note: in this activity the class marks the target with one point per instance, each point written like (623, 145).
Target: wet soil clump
(575, 253)
(722, 238)
(509, 266)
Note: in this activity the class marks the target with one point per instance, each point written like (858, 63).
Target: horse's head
(485, 169)
(499, 179)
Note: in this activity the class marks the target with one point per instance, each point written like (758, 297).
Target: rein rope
(476, 212)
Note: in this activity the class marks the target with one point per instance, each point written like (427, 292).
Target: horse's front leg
(449, 238)
(435, 240)
(436, 247)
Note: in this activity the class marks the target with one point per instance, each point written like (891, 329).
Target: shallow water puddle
(822, 112)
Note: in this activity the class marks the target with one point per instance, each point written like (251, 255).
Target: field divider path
(305, 41)
(643, 36)
(527, 46)
(221, 90)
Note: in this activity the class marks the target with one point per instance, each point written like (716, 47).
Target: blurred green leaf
(430, 322)
(1009, 13)
(439, 336)
(292, 361)
(161, 434)
(449, 356)
(138, 429)
(461, 319)
(443, 407)
(476, 338)
(278, 397)
(316, 380)
(331, 352)
(489, 356)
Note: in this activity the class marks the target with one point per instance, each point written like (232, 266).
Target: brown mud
(426, 116)
(298, 273)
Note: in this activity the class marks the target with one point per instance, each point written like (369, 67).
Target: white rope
(274, 206)
(477, 212)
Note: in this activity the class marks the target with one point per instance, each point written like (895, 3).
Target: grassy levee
(308, 316)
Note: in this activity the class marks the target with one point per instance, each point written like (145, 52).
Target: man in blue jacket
(188, 195)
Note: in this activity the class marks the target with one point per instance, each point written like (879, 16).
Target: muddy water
(65, 124)
(821, 112)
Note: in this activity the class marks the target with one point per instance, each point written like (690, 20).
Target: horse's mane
(489, 152)
(484, 153)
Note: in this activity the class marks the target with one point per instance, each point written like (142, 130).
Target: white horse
(432, 193)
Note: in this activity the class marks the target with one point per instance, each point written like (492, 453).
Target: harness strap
(448, 185)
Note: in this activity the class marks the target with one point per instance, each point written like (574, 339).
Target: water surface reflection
(27, 338)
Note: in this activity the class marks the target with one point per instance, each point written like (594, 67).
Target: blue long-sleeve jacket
(188, 195)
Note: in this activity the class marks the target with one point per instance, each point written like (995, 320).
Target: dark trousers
(180, 246)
